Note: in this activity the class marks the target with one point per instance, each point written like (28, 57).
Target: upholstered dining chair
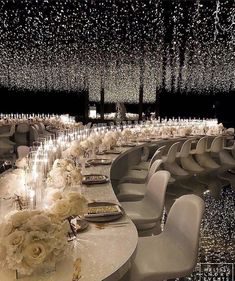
(202, 153)
(206, 158)
(21, 135)
(33, 134)
(22, 151)
(227, 154)
(169, 161)
(135, 191)
(6, 145)
(186, 160)
(140, 176)
(147, 212)
(174, 252)
(145, 165)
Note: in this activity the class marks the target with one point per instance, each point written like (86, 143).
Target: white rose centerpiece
(30, 240)
(68, 205)
(64, 173)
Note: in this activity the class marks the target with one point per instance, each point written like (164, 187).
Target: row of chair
(12, 136)
(172, 253)
(192, 170)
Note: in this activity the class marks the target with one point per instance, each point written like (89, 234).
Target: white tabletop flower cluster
(12, 182)
(64, 173)
(93, 143)
(58, 122)
(29, 240)
(65, 204)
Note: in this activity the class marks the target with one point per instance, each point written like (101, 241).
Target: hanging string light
(219, 27)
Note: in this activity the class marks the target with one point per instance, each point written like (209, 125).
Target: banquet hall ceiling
(71, 45)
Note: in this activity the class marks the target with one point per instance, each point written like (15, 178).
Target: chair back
(156, 190)
(217, 144)
(33, 134)
(154, 167)
(22, 151)
(230, 131)
(157, 155)
(186, 147)
(145, 154)
(36, 126)
(41, 127)
(171, 155)
(201, 145)
(183, 224)
(22, 128)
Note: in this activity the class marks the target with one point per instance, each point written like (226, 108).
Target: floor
(217, 246)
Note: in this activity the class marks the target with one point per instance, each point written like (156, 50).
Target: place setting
(102, 213)
(99, 161)
(91, 179)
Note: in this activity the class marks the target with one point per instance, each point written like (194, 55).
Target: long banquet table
(105, 253)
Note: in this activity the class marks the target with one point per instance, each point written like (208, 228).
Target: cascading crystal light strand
(219, 27)
(115, 46)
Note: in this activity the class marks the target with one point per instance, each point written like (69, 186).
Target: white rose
(16, 238)
(39, 222)
(21, 163)
(6, 228)
(78, 203)
(56, 196)
(62, 209)
(20, 218)
(34, 236)
(35, 254)
(69, 167)
(2, 252)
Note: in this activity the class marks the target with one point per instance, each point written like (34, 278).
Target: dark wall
(221, 106)
(42, 102)
(171, 105)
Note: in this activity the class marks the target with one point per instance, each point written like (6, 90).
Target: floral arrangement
(22, 163)
(13, 183)
(65, 205)
(110, 139)
(85, 145)
(127, 134)
(64, 173)
(74, 150)
(30, 240)
(95, 140)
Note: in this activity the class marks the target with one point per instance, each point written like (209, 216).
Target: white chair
(202, 154)
(22, 151)
(140, 176)
(21, 135)
(136, 191)
(147, 213)
(33, 134)
(169, 161)
(6, 145)
(227, 155)
(203, 178)
(42, 130)
(186, 160)
(145, 165)
(174, 252)
(144, 162)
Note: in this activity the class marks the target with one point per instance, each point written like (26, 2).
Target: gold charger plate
(99, 161)
(107, 213)
(94, 179)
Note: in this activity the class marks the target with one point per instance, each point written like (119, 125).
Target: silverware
(111, 224)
